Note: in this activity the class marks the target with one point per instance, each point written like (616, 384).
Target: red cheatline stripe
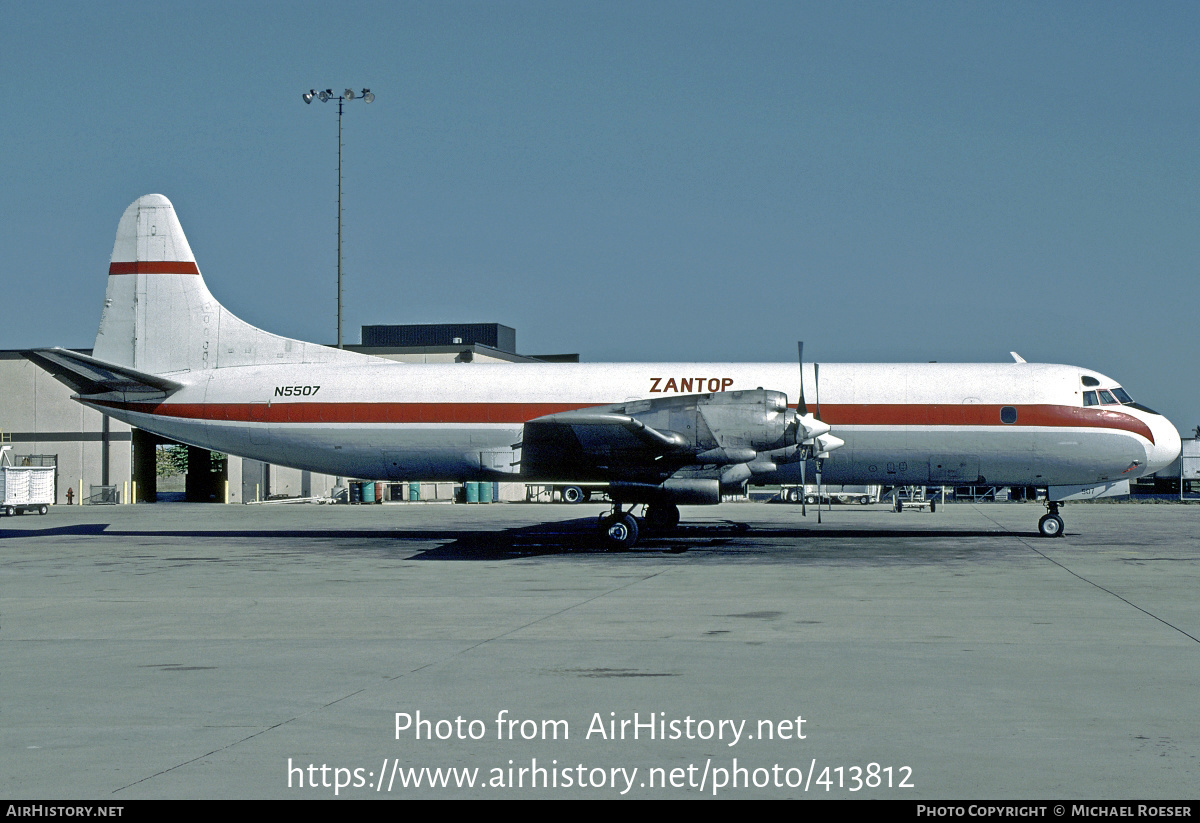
(978, 414)
(916, 415)
(154, 267)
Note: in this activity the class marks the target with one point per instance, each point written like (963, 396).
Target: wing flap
(595, 444)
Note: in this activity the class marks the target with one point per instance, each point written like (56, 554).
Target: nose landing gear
(1051, 525)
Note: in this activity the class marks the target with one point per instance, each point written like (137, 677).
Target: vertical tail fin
(159, 317)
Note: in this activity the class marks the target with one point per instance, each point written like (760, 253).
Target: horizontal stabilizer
(89, 377)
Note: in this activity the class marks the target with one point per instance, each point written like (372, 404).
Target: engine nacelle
(689, 492)
(723, 427)
(717, 441)
(734, 478)
(758, 419)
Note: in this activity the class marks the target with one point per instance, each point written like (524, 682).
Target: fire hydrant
(70, 495)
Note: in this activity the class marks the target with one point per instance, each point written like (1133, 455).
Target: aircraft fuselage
(949, 424)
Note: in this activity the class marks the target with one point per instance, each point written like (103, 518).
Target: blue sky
(634, 181)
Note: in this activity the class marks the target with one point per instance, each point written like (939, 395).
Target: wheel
(620, 531)
(9, 511)
(662, 517)
(42, 509)
(572, 494)
(1051, 525)
(811, 499)
(863, 501)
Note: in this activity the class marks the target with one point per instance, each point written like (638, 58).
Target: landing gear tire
(619, 531)
(1051, 525)
(663, 518)
(572, 494)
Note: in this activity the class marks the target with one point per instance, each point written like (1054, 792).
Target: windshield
(1126, 400)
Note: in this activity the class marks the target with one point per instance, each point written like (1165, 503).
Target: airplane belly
(398, 452)
(1026, 456)
(960, 456)
(1080, 456)
(375, 452)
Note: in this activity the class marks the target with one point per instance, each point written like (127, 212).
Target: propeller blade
(803, 488)
(802, 406)
(817, 387)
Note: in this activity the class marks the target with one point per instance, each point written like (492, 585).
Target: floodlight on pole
(325, 96)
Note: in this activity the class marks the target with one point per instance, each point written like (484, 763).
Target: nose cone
(1166, 447)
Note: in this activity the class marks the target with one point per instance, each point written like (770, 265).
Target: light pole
(325, 96)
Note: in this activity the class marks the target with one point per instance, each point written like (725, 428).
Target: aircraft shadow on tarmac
(579, 536)
(81, 530)
(549, 538)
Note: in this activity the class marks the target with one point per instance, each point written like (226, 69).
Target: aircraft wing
(600, 443)
(89, 377)
(647, 441)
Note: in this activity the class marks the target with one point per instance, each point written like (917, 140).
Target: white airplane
(172, 360)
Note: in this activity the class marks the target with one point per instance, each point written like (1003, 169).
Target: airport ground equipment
(25, 488)
(813, 494)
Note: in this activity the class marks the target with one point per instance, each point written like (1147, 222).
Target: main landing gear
(662, 518)
(619, 530)
(1051, 525)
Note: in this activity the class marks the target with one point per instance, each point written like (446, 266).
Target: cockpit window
(1089, 381)
(1090, 399)
(1106, 398)
(1126, 400)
